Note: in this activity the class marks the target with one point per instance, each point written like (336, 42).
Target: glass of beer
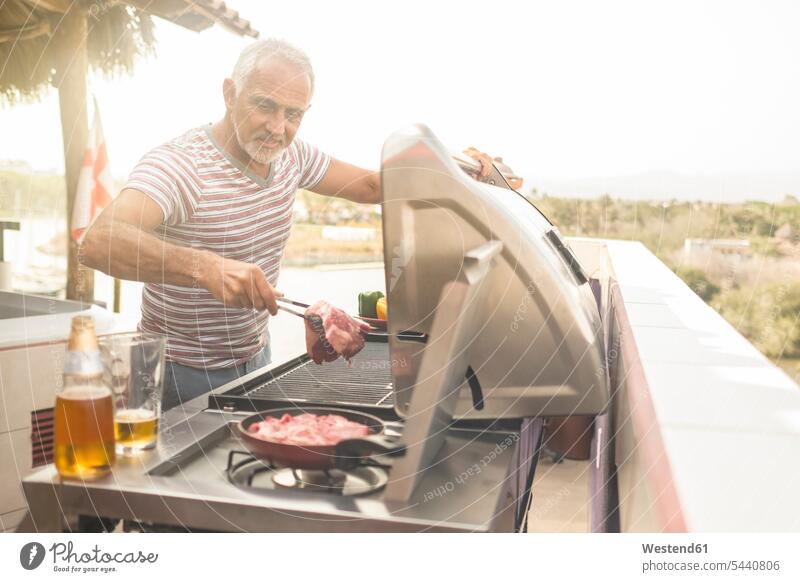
(133, 366)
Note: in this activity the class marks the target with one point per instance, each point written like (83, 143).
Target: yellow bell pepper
(382, 309)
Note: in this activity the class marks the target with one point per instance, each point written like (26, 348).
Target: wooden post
(70, 80)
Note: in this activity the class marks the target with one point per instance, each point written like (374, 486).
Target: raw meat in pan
(307, 429)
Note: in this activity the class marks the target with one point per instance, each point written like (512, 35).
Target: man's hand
(485, 160)
(237, 284)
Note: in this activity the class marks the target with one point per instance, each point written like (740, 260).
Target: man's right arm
(121, 244)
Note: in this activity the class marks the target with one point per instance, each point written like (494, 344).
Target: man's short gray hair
(260, 50)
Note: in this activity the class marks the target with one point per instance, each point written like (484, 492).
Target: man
(203, 221)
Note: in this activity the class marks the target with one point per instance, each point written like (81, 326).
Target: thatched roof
(118, 34)
(197, 15)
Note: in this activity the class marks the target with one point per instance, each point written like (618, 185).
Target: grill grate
(367, 383)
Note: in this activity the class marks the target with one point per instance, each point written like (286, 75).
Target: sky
(564, 91)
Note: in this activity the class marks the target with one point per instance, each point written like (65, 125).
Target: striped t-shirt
(211, 203)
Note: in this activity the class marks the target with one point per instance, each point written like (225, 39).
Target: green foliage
(25, 195)
(337, 211)
(764, 246)
(663, 226)
(699, 282)
(767, 316)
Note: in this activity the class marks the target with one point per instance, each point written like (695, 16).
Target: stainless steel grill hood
(535, 345)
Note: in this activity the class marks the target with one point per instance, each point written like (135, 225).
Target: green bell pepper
(367, 302)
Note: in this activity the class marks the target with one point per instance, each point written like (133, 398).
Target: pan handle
(350, 452)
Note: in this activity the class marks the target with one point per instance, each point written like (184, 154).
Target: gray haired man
(204, 218)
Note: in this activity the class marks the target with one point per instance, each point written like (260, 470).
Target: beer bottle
(84, 414)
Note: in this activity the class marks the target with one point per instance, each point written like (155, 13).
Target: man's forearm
(351, 183)
(373, 193)
(364, 190)
(126, 252)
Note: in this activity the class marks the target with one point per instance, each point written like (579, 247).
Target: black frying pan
(345, 454)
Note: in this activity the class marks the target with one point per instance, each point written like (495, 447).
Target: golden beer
(84, 432)
(84, 411)
(135, 428)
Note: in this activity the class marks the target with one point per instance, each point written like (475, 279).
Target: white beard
(257, 152)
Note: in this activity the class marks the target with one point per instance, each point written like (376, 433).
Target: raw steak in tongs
(331, 332)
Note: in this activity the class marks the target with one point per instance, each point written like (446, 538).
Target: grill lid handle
(568, 256)
(475, 389)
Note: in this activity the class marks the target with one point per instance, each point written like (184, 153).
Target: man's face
(268, 110)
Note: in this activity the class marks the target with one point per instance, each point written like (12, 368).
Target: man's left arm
(350, 182)
(343, 180)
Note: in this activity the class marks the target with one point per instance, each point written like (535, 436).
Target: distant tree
(24, 195)
(699, 282)
(767, 316)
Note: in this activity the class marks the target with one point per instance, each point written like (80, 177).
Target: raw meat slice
(307, 429)
(341, 334)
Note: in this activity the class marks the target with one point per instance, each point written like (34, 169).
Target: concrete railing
(707, 429)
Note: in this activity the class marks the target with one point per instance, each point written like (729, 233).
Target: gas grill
(364, 384)
(492, 326)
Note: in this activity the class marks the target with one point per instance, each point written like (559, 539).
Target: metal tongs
(315, 320)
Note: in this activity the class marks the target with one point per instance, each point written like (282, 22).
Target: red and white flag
(95, 188)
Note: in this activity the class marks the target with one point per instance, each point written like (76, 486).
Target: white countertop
(729, 419)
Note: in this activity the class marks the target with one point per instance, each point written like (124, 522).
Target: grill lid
(537, 347)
